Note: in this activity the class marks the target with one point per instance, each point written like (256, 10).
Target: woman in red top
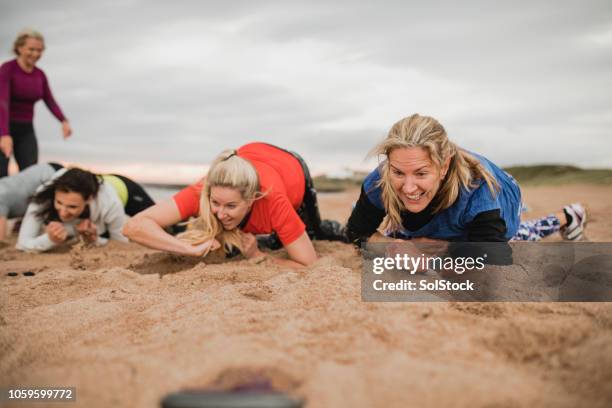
(257, 189)
(22, 84)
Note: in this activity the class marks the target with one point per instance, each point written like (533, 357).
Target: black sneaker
(269, 241)
(332, 231)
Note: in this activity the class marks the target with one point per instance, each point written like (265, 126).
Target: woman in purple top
(22, 84)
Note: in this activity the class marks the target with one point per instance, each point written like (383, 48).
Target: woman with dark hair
(80, 203)
(22, 84)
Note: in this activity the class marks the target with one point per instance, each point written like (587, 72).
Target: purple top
(19, 91)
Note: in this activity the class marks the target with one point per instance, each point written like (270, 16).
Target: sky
(155, 90)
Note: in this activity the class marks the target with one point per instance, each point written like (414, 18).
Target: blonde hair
(427, 133)
(23, 36)
(227, 170)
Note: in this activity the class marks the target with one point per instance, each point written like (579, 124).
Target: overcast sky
(156, 83)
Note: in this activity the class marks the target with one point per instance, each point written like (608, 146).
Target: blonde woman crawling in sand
(256, 189)
(429, 189)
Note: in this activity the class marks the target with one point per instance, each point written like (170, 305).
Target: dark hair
(75, 180)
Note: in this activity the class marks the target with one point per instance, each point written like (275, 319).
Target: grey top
(16, 190)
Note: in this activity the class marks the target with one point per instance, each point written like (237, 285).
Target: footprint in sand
(479, 309)
(258, 291)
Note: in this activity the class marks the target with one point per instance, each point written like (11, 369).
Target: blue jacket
(450, 224)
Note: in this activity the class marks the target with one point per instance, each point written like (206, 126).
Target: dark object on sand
(220, 399)
(258, 394)
(29, 273)
(12, 274)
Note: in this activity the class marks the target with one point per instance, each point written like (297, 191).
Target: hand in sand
(66, 129)
(204, 248)
(249, 246)
(401, 248)
(88, 231)
(6, 145)
(56, 232)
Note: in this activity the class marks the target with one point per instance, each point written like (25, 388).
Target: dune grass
(549, 174)
(559, 174)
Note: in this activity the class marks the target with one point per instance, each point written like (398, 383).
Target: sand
(127, 325)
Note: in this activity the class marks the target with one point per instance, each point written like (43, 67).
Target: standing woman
(22, 84)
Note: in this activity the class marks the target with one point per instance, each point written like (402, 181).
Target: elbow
(25, 247)
(309, 261)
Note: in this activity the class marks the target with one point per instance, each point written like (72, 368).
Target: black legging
(25, 147)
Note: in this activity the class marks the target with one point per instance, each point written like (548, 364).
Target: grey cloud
(501, 76)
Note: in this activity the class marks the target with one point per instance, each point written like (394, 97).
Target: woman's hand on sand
(66, 129)
(404, 248)
(56, 232)
(6, 145)
(249, 246)
(88, 231)
(204, 248)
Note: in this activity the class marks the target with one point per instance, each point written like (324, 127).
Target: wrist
(54, 239)
(258, 258)
(254, 254)
(188, 249)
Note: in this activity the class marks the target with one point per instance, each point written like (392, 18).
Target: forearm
(147, 232)
(377, 237)
(5, 98)
(258, 256)
(40, 243)
(30, 238)
(286, 262)
(52, 105)
(2, 228)
(364, 220)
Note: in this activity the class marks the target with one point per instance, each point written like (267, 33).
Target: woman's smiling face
(228, 206)
(31, 51)
(414, 177)
(69, 205)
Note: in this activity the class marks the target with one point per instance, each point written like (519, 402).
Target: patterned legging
(535, 230)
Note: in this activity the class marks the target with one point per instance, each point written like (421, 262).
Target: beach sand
(127, 325)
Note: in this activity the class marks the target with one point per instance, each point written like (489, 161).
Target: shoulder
(39, 72)
(190, 193)
(479, 197)
(371, 187)
(8, 66)
(498, 173)
(188, 200)
(107, 197)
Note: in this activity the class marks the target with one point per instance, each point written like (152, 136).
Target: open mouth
(414, 197)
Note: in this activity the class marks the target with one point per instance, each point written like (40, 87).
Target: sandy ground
(126, 325)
